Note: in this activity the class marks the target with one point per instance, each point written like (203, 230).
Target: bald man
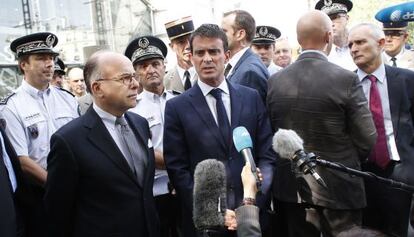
(76, 83)
(326, 106)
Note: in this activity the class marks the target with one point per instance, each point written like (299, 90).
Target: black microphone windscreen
(286, 143)
(209, 195)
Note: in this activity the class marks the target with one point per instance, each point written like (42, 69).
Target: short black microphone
(243, 143)
(289, 145)
(209, 196)
(397, 13)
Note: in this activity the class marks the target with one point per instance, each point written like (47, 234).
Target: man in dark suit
(390, 92)
(11, 186)
(198, 126)
(244, 67)
(101, 166)
(326, 106)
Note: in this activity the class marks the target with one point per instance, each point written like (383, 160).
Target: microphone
(243, 143)
(289, 145)
(400, 12)
(209, 196)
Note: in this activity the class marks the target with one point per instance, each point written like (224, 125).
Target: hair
(91, 71)
(376, 32)
(245, 21)
(23, 58)
(210, 31)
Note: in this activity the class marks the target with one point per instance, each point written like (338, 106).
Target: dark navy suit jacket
(251, 72)
(401, 96)
(192, 135)
(90, 190)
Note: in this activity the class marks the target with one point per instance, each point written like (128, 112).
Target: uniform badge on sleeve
(33, 131)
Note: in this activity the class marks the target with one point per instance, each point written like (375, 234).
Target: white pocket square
(149, 143)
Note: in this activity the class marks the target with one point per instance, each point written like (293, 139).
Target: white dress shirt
(342, 57)
(385, 103)
(211, 101)
(192, 72)
(235, 59)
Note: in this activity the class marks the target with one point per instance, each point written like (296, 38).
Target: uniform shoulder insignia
(174, 92)
(70, 93)
(4, 100)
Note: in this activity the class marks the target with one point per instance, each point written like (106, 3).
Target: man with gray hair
(390, 93)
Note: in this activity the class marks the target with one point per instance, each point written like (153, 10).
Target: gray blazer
(326, 106)
(248, 221)
(172, 80)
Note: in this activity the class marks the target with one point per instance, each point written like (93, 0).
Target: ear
(241, 34)
(226, 56)
(96, 89)
(381, 43)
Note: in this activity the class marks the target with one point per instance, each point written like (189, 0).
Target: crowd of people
(110, 148)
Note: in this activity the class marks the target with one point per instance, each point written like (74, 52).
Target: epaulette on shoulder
(4, 100)
(70, 93)
(174, 92)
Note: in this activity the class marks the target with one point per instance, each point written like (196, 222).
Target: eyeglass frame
(122, 78)
(395, 34)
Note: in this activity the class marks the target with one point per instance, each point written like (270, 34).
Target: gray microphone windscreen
(286, 142)
(209, 194)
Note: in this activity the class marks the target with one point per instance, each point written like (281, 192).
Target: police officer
(338, 10)
(395, 53)
(183, 75)
(33, 113)
(59, 74)
(147, 54)
(263, 45)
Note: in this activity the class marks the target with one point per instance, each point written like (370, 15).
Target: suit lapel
(395, 86)
(236, 105)
(242, 58)
(200, 106)
(176, 81)
(100, 137)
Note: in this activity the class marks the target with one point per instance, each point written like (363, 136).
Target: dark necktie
(227, 70)
(379, 154)
(135, 152)
(187, 83)
(394, 61)
(222, 118)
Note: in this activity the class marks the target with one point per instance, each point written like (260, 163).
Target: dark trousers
(33, 213)
(167, 208)
(387, 208)
(303, 220)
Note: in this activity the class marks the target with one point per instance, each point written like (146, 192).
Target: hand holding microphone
(243, 143)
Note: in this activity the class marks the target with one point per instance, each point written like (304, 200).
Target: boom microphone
(209, 196)
(243, 143)
(400, 12)
(289, 145)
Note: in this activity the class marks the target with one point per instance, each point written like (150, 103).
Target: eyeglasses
(124, 78)
(393, 33)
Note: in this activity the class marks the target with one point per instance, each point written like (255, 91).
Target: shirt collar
(235, 59)
(34, 92)
(105, 116)
(207, 88)
(398, 56)
(181, 72)
(314, 51)
(379, 73)
(152, 96)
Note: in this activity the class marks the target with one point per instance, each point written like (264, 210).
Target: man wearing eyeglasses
(147, 54)
(101, 166)
(338, 10)
(396, 37)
